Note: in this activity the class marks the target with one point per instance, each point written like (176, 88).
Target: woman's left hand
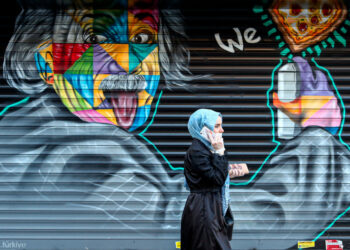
(236, 170)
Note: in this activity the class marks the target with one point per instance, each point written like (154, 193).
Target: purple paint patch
(309, 84)
(105, 105)
(104, 63)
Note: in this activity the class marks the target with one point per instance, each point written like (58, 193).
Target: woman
(203, 224)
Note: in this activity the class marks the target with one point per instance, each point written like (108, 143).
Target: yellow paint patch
(119, 52)
(178, 244)
(69, 96)
(99, 96)
(150, 65)
(311, 104)
(144, 98)
(46, 53)
(109, 114)
(306, 244)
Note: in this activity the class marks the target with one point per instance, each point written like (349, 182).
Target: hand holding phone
(215, 139)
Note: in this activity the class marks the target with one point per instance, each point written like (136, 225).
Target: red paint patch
(65, 55)
(296, 9)
(148, 16)
(326, 9)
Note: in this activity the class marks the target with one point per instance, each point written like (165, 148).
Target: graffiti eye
(141, 38)
(95, 39)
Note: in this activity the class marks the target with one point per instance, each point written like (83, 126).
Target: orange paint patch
(46, 53)
(312, 104)
(119, 52)
(144, 98)
(109, 114)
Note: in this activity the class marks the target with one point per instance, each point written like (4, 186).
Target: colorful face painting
(103, 61)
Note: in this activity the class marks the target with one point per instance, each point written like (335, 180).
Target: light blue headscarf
(199, 119)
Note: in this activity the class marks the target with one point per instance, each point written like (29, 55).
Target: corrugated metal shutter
(70, 184)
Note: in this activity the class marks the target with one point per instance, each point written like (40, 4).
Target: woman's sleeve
(214, 171)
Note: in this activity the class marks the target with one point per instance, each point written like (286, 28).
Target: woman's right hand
(217, 142)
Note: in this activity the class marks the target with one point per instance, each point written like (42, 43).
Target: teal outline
(13, 105)
(340, 139)
(271, 31)
(340, 99)
(258, 9)
(273, 129)
(154, 146)
(318, 51)
(340, 38)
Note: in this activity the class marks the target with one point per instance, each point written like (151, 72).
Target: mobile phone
(205, 133)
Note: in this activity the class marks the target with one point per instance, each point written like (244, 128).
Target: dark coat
(203, 225)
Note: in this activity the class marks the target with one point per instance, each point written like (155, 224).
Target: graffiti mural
(92, 70)
(303, 188)
(92, 154)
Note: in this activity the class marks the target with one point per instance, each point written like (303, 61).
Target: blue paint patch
(118, 32)
(41, 64)
(344, 30)
(281, 44)
(332, 130)
(290, 57)
(324, 44)
(278, 38)
(347, 22)
(141, 116)
(152, 84)
(303, 54)
(84, 84)
(138, 52)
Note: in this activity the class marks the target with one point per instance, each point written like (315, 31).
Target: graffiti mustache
(123, 82)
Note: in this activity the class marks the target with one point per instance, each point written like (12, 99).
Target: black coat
(203, 225)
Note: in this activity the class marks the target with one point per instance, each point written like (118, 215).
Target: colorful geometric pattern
(307, 22)
(118, 39)
(316, 105)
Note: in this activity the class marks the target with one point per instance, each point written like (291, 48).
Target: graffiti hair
(19, 65)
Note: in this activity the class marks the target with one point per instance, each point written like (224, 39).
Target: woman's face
(218, 126)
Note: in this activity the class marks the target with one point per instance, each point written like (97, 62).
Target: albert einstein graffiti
(93, 70)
